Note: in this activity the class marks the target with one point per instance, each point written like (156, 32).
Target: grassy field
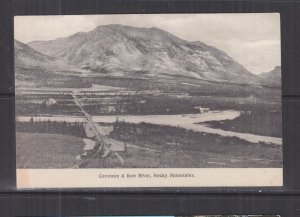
(42, 150)
(148, 146)
(152, 146)
(141, 158)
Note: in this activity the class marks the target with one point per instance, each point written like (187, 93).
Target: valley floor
(159, 129)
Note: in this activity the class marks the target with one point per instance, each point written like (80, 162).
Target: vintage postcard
(191, 216)
(148, 100)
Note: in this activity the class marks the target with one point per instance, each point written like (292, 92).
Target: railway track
(101, 139)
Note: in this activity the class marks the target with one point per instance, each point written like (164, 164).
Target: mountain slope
(273, 77)
(26, 57)
(144, 52)
(32, 67)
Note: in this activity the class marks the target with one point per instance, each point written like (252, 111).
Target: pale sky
(251, 39)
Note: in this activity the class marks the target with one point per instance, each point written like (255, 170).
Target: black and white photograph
(195, 216)
(230, 216)
(154, 92)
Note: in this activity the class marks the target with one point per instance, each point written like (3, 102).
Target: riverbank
(186, 121)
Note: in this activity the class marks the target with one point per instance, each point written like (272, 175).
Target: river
(186, 121)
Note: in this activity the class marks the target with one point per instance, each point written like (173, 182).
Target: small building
(50, 101)
(202, 109)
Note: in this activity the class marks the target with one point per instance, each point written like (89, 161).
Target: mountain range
(273, 77)
(26, 57)
(118, 50)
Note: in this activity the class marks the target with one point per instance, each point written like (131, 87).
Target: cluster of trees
(143, 106)
(161, 107)
(106, 109)
(123, 130)
(267, 123)
(52, 127)
(27, 108)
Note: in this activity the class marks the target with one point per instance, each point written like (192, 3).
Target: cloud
(256, 56)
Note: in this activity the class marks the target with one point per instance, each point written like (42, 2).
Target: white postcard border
(149, 177)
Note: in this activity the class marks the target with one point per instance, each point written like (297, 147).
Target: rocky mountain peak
(125, 50)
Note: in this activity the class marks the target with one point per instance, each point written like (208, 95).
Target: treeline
(163, 105)
(28, 108)
(51, 127)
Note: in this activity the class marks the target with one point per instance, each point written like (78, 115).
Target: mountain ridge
(273, 77)
(34, 68)
(145, 52)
